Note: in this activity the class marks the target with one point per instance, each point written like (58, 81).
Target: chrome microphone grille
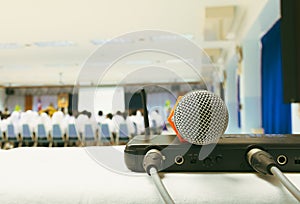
(201, 117)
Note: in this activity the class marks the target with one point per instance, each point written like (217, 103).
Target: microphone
(199, 117)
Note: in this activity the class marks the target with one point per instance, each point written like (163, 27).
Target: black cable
(263, 162)
(153, 161)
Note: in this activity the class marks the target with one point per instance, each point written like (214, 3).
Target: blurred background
(57, 56)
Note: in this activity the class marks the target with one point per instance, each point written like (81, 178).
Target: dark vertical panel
(290, 45)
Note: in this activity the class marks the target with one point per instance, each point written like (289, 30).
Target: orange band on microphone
(172, 123)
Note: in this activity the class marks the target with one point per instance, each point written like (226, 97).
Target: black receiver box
(228, 155)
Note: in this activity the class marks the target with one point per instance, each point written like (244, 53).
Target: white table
(72, 175)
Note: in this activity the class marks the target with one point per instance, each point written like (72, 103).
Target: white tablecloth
(72, 175)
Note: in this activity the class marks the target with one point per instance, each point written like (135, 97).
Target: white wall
(251, 71)
(107, 99)
(295, 108)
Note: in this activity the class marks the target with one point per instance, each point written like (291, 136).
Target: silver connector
(282, 159)
(179, 160)
(153, 158)
(251, 153)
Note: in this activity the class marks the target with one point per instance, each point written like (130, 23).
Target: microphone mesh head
(201, 117)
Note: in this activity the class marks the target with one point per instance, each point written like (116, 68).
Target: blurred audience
(49, 110)
(46, 120)
(51, 116)
(130, 124)
(138, 119)
(100, 117)
(58, 117)
(156, 122)
(117, 120)
(108, 120)
(69, 118)
(5, 113)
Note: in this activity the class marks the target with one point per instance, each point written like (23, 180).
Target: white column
(231, 96)
(295, 118)
(251, 86)
(2, 98)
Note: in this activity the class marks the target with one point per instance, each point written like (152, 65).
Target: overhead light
(98, 64)
(188, 36)
(114, 40)
(10, 45)
(98, 41)
(54, 44)
(139, 62)
(61, 64)
(171, 37)
(122, 40)
(160, 38)
(171, 61)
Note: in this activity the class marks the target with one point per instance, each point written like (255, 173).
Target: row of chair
(56, 138)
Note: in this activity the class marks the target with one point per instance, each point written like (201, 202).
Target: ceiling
(50, 42)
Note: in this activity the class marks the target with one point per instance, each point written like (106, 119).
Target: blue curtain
(276, 116)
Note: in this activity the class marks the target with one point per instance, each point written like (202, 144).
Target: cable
(263, 162)
(152, 164)
(160, 186)
(286, 182)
